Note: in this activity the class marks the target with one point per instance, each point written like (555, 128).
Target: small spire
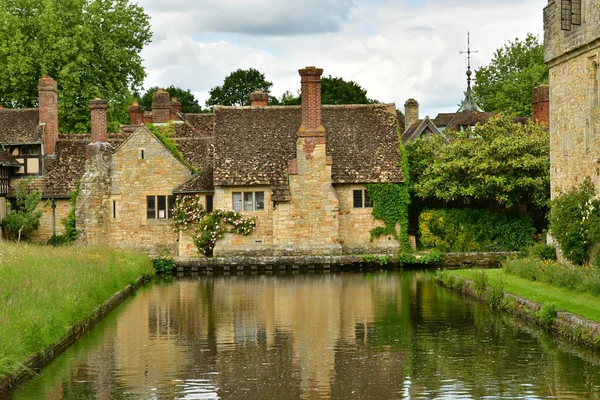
(468, 103)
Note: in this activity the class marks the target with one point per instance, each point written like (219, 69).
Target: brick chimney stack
(161, 107)
(411, 113)
(310, 79)
(175, 109)
(99, 128)
(258, 98)
(540, 104)
(48, 112)
(136, 114)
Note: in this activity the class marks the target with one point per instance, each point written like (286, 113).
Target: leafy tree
(333, 91)
(189, 104)
(506, 83)
(23, 218)
(91, 47)
(237, 87)
(500, 162)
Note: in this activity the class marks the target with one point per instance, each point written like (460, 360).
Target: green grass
(582, 304)
(44, 290)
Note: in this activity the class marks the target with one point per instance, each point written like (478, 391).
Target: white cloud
(394, 49)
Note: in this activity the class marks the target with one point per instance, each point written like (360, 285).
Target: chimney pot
(48, 112)
(98, 109)
(258, 98)
(411, 113)
(310, 79)
(161, 107)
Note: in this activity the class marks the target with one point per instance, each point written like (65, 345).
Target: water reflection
(342, 336)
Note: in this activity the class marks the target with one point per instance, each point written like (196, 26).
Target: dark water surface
(313, 336)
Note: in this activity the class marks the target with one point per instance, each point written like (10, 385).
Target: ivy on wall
(390, 204)
(208, 227)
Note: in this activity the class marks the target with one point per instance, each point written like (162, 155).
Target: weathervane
(468, 52)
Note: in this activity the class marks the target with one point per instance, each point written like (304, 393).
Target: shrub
(163, 265)
(575, 222)
(494, 294)
(480, 282)
(24, 218)
(547, 314)
(58, 240)
(424, 258)
(541, 251)
(474, 230)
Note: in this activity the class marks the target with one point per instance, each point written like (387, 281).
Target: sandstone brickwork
(46, 223)
(356, 225)
(133, 177)
(572, 57)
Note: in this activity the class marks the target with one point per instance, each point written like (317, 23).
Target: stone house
(572, 53)
(301, 170)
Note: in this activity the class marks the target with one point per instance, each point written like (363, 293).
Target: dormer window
(570, 14)
(30, 157)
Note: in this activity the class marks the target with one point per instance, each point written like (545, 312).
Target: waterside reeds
(45, 290)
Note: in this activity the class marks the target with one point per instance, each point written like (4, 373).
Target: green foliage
(57, 240)
(170, 145)
(480, 282)
(214, 225)
(237, 87)
(494, 294)
(465, 230)
(420, 155)
(547, 314)
(91, 48)
(370, 258)
(500, 162)
(69, 221)
(163, 265)
(425, 258)
(581, 279)
(575, 222)
(506, 83)
(333, 91)
(189, 103)
(541, 251)
(188, 212)
(23, 219)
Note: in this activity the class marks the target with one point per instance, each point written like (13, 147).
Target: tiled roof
(19, 126)
(253, 145)
(6, 160)
(468, 118)
(443, 119)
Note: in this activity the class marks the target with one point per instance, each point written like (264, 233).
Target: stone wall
(186, 246)
(574, 117)
(309, 223)
(133, 177)
(45, 231)
(356, 225)
(260, 241)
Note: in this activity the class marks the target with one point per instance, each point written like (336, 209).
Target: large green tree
(237, 87)
(189, 103)
(498, 163)
(333, 91)
(91, 47)
(506, 83)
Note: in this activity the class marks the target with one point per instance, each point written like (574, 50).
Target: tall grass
(573, 277)
(45, 290)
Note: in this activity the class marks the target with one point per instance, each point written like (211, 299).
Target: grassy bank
(45, 290)
(583, 304)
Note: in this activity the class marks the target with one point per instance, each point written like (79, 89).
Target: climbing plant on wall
(208, 227)
(390, 204)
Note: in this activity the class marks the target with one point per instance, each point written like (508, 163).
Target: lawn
(582, 304)
(44, 290)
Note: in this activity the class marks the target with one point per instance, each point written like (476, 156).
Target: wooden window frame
(209, 203)
(24, 153)
(361, 199)
(157, 203)
(245, 198)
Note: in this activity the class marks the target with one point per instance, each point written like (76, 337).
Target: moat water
(314, 336)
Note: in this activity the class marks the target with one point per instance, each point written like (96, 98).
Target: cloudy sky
(396, 49)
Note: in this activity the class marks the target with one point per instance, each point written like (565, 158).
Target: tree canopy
(189, 103)
(500, 162)
(506, 83)
(91, 47)
(333, 91)
(237, 87)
